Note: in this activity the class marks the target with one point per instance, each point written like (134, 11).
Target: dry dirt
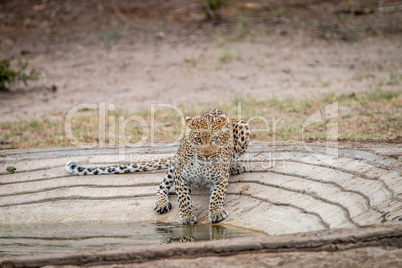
(169, 53)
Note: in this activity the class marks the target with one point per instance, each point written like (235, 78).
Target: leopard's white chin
(205, 161)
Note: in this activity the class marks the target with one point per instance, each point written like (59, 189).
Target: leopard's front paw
(162, 205)
(218, 215)
(188, 218)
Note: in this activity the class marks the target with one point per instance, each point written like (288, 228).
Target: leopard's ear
(189, 121)
(221, 120)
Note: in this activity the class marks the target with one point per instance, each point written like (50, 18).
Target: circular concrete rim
(374, 167)
(321, 185)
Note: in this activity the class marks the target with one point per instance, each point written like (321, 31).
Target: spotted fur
(207, 155)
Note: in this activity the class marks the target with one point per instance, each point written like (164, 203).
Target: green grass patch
(9, 75)
(227, 55)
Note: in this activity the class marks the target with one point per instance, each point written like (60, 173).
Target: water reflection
(52, 238)
(169, 233)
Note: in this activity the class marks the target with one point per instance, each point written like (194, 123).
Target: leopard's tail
(73, 168)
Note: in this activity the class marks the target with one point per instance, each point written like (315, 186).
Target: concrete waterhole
(294, 196)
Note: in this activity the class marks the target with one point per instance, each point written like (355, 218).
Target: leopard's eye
(198, 139)
(214, 138)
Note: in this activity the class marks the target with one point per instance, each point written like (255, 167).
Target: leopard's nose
(207, 156)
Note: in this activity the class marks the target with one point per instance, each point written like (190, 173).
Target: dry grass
(374, 114)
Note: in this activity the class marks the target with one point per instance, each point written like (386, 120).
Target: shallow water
(67, 238)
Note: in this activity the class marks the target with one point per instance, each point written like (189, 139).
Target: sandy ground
(180, 64)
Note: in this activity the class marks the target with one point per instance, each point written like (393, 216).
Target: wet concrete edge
(385, 236)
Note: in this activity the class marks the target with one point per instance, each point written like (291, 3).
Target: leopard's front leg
(217, 212)
(183, 192)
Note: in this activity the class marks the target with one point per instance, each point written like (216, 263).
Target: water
(68, 238)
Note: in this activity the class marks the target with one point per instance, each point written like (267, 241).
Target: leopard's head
(210, 134)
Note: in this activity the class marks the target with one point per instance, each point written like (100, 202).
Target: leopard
(207, 155)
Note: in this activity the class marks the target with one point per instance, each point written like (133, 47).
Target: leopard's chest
(203, 173)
